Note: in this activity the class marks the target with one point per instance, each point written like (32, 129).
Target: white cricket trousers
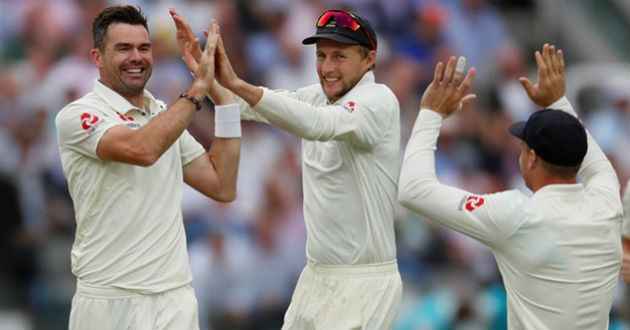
(118, 309)
(343, 297)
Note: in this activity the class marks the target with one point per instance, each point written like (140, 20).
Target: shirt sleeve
(359, 121)
(189, 148)
(80, 128)
(596, 170)
(489, 218)
(626, 211)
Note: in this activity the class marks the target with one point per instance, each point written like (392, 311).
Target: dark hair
(364, 53)
(116, 14)
(563, 172)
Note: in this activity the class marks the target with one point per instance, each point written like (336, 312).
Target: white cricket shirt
(129, 232)
(558, 252)
(349, 167)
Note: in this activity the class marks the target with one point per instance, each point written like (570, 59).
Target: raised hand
(204, 71)
(447, 92)
(185, 36)
(225, 74)
(550, 85)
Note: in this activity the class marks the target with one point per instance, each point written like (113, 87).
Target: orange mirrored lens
(342, 19)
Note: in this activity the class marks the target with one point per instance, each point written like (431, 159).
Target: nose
(328, 66)
(135, 55)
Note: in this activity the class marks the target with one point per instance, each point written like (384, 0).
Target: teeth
(134, 70)
(331, 79)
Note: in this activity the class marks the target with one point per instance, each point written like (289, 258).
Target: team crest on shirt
(471, 203)
(349, 106)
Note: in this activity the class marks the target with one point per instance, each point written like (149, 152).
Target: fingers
(450, 68)
(460, 68)
(540, 62)
(437, 74)
(213, 36)
(560, 59)
(467, 99)
(548, 55)
(221, 47)
(467, 81)
(527, 85)
(189, 59)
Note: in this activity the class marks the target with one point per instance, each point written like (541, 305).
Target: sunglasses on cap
(344, 20)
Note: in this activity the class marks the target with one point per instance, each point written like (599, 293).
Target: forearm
(220, 95)
(248, 92)
(596, 168)
(160, 134)
(419, 188)
(224, 156)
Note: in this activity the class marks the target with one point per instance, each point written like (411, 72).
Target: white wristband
(227, 121)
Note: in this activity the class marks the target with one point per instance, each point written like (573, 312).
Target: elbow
(405, 196)
(146, 159)
(413, 194)
(143, 155)
(225, 196)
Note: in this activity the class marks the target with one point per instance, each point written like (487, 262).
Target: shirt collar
(368, 78)
(119, 103)
(558, 189)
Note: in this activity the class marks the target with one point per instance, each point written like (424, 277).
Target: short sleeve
(189, 147)
(80, 128)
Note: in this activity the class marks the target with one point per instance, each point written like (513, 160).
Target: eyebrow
(128, 44)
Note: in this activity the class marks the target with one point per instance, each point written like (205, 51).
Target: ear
(97, 57)
(532, 161)
(371, 57)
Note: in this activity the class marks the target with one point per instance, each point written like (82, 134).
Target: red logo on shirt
(349, 106)
(88, 120)
(473, 202)
(123, 117)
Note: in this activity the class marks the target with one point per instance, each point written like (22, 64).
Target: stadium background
(246, 255)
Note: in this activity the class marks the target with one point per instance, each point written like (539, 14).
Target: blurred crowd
(246, 255)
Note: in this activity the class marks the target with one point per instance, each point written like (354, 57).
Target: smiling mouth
(331, 80)
(134, 71)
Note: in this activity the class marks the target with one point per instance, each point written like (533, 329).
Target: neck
(136, 100)
(545, 181)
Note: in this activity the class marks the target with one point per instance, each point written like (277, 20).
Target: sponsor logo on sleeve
(349, 106)
(473, 202)
(88, 121)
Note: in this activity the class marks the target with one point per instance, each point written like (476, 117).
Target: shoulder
(83, 114)
(310, 94)
(509, 200)
(90, 103)
(375, 97)
(511, 207)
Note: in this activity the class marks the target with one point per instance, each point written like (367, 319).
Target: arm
(419, 189)
(214, 173)
(548, 92)
(145, 145)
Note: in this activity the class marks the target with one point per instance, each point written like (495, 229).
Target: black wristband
(191, 99)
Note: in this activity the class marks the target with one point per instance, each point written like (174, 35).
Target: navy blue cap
(556, 136)
(364, 36)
